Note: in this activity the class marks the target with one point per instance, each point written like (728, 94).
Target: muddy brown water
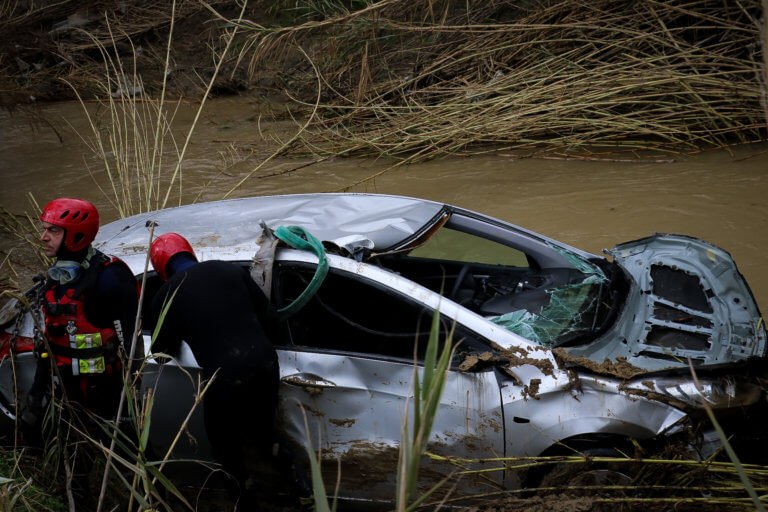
(719, 196)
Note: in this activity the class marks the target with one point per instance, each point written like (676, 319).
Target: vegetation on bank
(418, 79)
(18, 490)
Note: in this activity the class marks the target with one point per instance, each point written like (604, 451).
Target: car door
(346, 362)
(177, 428)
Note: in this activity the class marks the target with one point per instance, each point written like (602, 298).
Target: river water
(719, 196)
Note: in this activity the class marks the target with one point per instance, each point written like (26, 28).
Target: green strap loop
(298, 238)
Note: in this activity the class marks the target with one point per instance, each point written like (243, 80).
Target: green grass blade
(318, 486)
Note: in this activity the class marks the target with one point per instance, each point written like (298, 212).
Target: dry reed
(416, 80)
(655, 482)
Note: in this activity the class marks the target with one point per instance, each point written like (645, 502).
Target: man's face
(52, 238)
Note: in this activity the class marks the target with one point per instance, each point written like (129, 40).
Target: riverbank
(416, 80)
(57, 50)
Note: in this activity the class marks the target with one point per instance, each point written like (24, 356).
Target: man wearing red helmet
(90, 308)
(225, 318)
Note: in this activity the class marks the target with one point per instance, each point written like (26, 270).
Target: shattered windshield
(572, 309)
(552, 306)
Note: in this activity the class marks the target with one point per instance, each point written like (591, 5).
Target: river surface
(719, 196)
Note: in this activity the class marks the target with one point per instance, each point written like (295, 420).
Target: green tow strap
(298, 238)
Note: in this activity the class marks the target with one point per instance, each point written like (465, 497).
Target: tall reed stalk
(132, 147)
(132, 133)
(417, 429)
(415, 80)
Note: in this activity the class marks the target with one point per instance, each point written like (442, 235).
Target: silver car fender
(589, 405)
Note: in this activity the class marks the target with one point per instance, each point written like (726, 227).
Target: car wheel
(590, 477)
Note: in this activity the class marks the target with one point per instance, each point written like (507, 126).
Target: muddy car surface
(554, 346)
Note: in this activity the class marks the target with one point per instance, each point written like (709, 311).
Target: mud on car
(557, 349)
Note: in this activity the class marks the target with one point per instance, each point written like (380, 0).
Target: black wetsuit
(111, 297)
(222, 315)
(110, 301)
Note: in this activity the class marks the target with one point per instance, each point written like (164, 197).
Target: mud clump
(512, 357)
(620, 368)
(532, 389)
(469, 362)
(347, 422)
(518, 356)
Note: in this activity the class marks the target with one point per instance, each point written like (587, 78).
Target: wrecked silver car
(556, 347)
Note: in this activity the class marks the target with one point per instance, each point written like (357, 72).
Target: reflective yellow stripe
(88, 340)
(91, 365)
(95, 365)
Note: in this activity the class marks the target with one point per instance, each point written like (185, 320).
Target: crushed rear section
(689, 301)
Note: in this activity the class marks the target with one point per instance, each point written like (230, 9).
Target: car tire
(589, 476)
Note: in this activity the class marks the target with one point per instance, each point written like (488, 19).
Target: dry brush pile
(420, 79)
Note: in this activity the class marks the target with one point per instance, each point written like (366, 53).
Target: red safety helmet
(78, 217)
(164, 248)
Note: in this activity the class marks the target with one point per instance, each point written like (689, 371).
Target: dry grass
(652, 483)
(131, 129)
(416, 80)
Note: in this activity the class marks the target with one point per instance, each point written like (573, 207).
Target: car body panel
(174, 386)
(356, 418)
(16, 377)
(598, 405)
(689, 301)
(17, 373)
(229, 229)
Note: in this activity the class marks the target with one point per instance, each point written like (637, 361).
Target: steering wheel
(459, 280)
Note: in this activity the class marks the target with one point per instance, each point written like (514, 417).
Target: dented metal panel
(688, 300)
(534, 422)
(229, 229)
(355, 406)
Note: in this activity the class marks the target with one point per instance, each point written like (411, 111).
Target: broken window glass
(570, 313)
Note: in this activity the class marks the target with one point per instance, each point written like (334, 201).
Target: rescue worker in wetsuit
(90, 303)
(90, 309)
(220, 312)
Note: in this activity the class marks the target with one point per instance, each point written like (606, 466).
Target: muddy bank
(49, 51)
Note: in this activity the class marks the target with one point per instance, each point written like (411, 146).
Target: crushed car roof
(229, 229)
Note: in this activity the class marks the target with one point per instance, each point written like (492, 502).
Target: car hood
(687, 300)
(229, 229)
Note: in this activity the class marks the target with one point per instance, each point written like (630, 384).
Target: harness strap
(54, 308)
(107, 350)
